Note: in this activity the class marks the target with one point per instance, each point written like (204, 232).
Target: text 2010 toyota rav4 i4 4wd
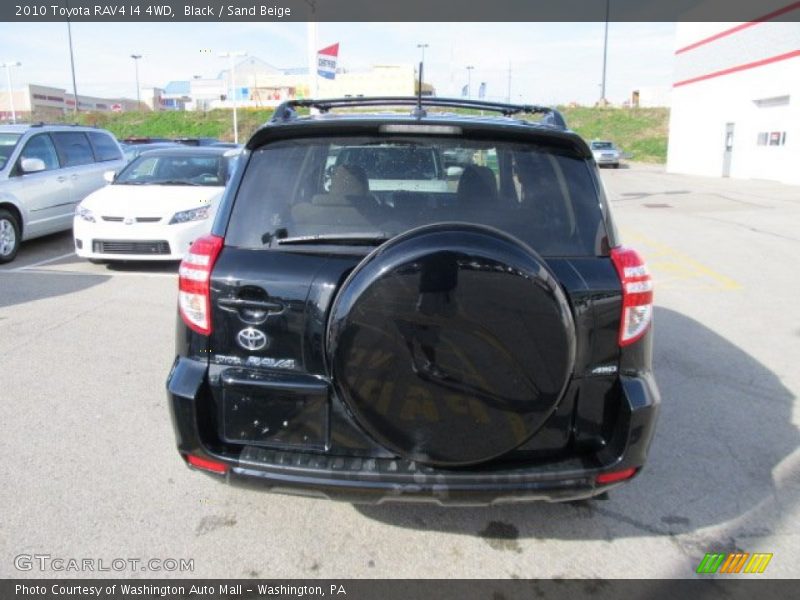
(403, 306)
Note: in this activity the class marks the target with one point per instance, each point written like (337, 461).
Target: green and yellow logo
(738, 562)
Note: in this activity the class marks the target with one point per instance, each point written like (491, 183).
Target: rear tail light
(194, 287)
(615, 476)
(637, 294)
(207, 464)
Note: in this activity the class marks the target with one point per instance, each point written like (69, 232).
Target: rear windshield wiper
(344, 239)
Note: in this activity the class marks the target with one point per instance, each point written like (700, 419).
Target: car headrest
(349, 180)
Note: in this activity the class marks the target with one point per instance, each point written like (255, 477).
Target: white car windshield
(8, 141)
(176, 169)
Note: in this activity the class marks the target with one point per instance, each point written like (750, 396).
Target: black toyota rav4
(413, 304)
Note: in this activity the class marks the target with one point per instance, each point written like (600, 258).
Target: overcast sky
(550, 62)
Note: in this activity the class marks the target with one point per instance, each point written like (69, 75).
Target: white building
(40, 102)
(736, 100)
(260, 84)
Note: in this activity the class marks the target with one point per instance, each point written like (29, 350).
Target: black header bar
(398, 11)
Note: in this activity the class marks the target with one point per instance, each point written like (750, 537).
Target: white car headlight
(85, 214)
(195, 214)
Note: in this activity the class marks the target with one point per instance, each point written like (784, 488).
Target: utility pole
(469, 81)
(311, 40)
(605, 56)
(232, 56)
(72, 65)
(7, 66)
(136, 58)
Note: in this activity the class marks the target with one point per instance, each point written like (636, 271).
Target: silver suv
(45, 171)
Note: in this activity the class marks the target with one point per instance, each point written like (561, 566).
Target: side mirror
(455, 171)
(32, 165)
(109, 176)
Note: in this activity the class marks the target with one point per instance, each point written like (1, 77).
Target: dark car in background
(475, 340)
(133, 151)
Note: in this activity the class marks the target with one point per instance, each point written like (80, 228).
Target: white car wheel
(9, 236)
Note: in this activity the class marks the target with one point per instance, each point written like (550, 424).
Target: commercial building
(255, 83)
(43, 103)
(736, 99)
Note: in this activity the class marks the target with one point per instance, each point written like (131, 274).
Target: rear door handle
(251, 311)
(235, 304)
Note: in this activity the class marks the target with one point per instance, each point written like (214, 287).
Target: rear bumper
(378, 480)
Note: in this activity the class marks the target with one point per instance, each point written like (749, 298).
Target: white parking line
(41, 262)
(31, 271)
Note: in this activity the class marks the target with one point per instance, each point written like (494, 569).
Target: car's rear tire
(451, 344)
(10, 236)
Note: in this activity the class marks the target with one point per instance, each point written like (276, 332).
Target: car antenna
(419, 112)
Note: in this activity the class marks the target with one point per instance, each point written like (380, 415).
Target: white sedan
(156, 207)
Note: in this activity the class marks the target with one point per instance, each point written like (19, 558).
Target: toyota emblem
(252, 339)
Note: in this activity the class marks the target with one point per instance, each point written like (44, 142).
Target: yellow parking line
(670, 265)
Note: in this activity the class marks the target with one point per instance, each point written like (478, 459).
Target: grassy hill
(641, 131)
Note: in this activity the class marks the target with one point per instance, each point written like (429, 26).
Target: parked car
(132, 151)
(193, 141)
(132, 140)
(155, 208)
(45, 171)
(488, 343)
(606, 153)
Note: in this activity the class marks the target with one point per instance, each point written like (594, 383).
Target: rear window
(105, 148)
(544, 196)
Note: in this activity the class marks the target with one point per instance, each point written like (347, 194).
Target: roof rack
(48, 124)
(286, 110)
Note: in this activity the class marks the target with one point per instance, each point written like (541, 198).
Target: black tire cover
(451, 344)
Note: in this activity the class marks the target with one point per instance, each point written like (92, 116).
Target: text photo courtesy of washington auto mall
(363, 299)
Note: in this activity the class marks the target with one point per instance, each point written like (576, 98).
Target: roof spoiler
(286, 111)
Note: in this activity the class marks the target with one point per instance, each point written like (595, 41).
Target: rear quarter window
(104, 146)
(544, 196)
(73, 148)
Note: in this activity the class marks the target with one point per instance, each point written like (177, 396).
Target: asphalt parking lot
(90, 471)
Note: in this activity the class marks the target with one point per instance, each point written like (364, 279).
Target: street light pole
(136, 58)
(231, 56)
(72, 66)
(7, 67)
(605, 55)
(469, 81)
(422, 46)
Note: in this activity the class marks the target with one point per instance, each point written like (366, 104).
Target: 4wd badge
(252, 339)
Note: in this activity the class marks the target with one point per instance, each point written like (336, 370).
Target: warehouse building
(736, 99)
(44, 103)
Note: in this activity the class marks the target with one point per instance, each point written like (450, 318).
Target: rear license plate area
(274, 410)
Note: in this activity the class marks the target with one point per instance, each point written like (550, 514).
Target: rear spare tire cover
(451, 344)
